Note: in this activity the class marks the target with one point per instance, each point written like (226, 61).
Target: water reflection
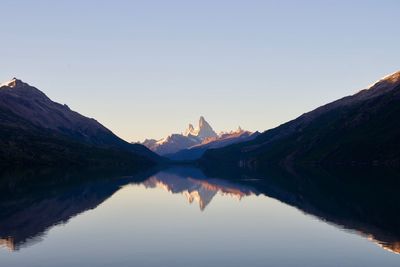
(362, 201)
(33, 201)
(195, 186)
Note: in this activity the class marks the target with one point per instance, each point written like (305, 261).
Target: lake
(184, 216)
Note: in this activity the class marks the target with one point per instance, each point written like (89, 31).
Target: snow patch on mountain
(191, 137)
(13, 83)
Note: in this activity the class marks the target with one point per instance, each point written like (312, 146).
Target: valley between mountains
(361, 129)
(191, 144)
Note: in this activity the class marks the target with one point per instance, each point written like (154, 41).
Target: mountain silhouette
(34, 130)
(362, 129)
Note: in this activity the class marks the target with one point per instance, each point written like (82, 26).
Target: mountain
(171, 144)
(224, 139)
(360, 129)
(176, 142)
(34, 130)
(202, 132)
(191, 144)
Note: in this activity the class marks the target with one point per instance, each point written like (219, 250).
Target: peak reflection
(195, 186)
(31, 204)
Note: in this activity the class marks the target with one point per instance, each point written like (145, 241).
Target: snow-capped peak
(193, 137)
(190, 130)
(14, 82)
(203, 130)
(391, 78)
(202, 121)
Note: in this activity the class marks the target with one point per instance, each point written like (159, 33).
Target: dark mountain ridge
(35, 130)
(355, 130)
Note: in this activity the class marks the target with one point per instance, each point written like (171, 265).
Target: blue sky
(148, 68)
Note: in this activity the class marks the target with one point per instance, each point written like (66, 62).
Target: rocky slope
(224, 139)
(194, 141)
(360, 129)
(35, 130)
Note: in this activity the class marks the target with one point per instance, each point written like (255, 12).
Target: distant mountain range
(34, 130)
(362, 129)
(191, 144)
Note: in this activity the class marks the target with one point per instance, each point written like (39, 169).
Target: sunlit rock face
(204, 130)
(393, 247)
(199, 139)
(224, 139)
(171, 144)
(8, 243)
(175, 142)
(383, 241)
(14, 82)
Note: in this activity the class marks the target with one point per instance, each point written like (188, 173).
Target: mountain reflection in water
(364, 202)
(195, 186)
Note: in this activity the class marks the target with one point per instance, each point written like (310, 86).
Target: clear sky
(148, 68)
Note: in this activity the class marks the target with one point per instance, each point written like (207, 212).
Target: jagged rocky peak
(13, 83)
(202, 121)
(190, 130)
(203, 130)
(192, 137)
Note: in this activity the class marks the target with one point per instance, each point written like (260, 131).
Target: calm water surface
(180, 217)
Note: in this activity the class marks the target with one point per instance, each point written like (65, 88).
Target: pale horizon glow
(148, 69)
